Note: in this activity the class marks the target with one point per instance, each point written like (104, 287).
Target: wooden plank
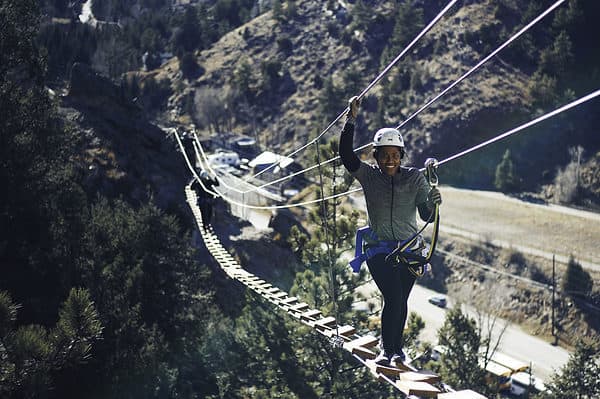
(279, 295)
(363, 352)
(325, 323)
(465, 394)
(290, 301)
(310, 315)
(424, 376)
(368, 341)
(346, 330)
(264, 285)
(417, 388)
(389, 371)
(332, 333)
(299, 307)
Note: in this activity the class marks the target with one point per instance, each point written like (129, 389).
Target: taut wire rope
(369, 87)
(523, 126)
(519, 128)
(483, 61)
(430, 102)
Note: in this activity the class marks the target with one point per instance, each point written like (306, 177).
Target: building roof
(268, 158)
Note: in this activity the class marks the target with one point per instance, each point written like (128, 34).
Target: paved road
(515, 343)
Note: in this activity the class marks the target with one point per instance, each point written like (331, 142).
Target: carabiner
(431, 165)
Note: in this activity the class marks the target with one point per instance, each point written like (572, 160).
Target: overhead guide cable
(369, 87)
(430, 102)
(518, 129)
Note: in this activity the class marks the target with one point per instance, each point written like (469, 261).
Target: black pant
(395, 283)
(206, 210)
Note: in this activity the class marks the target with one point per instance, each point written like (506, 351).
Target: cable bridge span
(362, 348)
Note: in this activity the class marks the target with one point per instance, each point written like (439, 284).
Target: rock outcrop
(123, 154)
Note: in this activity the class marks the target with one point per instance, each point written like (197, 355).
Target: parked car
(438, 300)
(437, 352)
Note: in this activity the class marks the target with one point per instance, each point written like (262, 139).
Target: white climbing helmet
(388, 136)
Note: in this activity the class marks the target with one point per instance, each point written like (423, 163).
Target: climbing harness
(413, 252)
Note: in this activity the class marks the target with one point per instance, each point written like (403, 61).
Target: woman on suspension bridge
(393, 193)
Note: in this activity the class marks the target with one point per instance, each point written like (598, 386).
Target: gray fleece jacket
(392, 201)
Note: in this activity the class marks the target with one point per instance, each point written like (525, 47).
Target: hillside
(283, 80)
(315, 51)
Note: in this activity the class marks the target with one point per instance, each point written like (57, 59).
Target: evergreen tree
(242, 78)
(30, 354)
(330, 100)
(270, 71)
(41, 211)
(505, 179)
(408, 22)
(188, 65)
(188, 38)
(291, 9)
(148, 290)
(576, 281)
(556, 60)
(580, 377)
(543, 89)
(277, 10)
(414, 326)
(460, 364)
(361, 15)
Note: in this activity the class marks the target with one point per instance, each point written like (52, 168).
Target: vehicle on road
(438, 300)
(437, 352)
(523, 384)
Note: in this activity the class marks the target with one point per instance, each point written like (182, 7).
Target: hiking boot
(398, 358)
(383, 359)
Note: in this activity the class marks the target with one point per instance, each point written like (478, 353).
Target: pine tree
(361, 15)
(277, 11)
(31, 353)
(556, 60)
(505, 180)
(330, 100)
(580, 377)
(407, 23)
(460, 364)
(576, 281)
(414, 326)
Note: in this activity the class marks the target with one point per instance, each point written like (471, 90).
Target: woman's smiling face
(388, 159)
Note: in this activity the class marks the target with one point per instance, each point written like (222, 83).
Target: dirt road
(537, 229)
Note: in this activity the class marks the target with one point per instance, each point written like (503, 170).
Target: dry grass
(522, 224)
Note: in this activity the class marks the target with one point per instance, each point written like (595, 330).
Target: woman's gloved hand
(434, 196)
(353, 105)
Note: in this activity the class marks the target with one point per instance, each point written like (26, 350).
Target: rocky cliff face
(122, 153)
